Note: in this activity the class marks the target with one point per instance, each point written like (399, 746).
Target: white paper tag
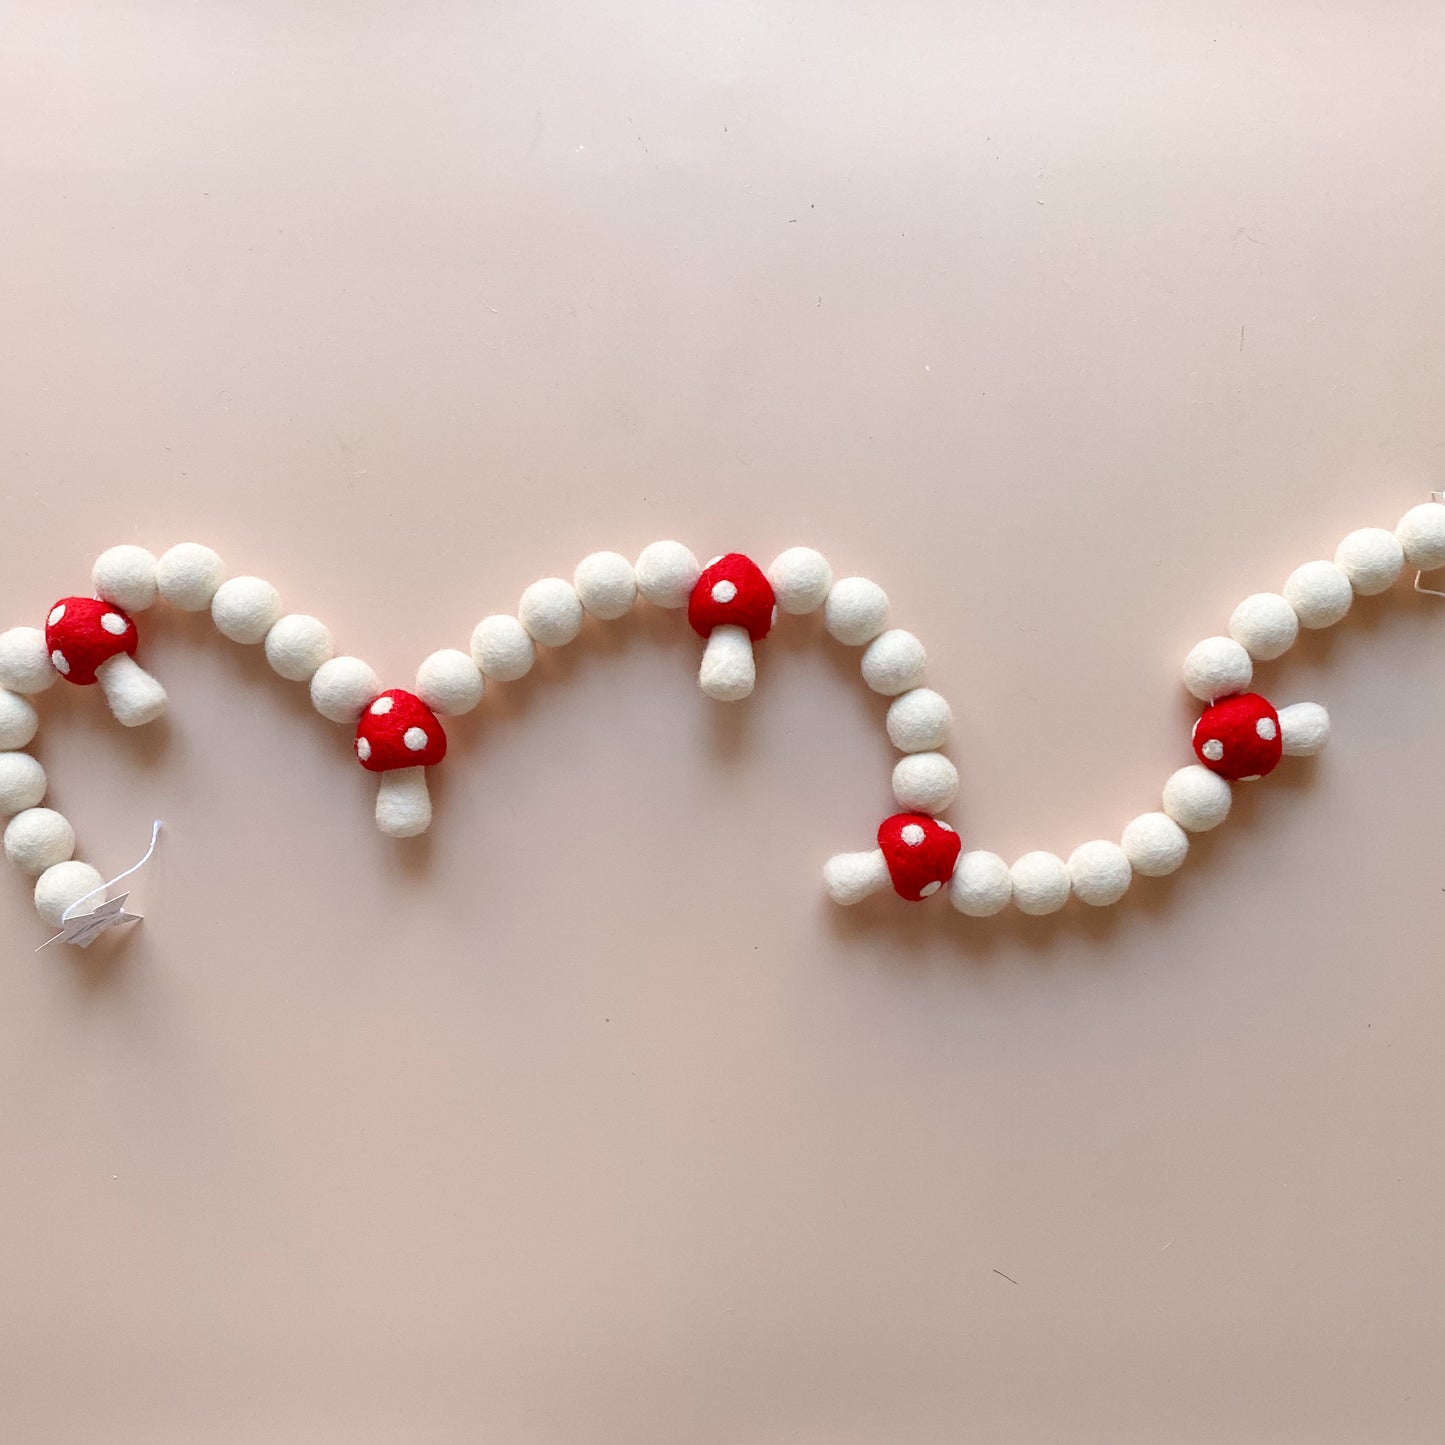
(85, 928)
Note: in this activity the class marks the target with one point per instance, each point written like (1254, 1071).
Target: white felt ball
(1154, 844)
(919, 721)
(25, 664)
(1372, 559)
(893, 662)
(981, 884)
(342, 687)
(245, 609)
(1197, 799)
(18, 720)
(63, 884)
(297, 645)
(22, 783)
(851, 877)
(1099, 873)
(925, 782)
(125, 575)
(38, 838)
(1040, 883)
(501, 648)
(1422, 534)
(800, 579)
(187, 576)
(449, 682)
(666, 573)
(551, 612)
(1320, 594)
(856, 611)
(1304, 729)
(1217, 667)
(1265, 625)
(606, 585)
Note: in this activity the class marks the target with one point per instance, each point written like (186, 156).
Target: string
(134, 868)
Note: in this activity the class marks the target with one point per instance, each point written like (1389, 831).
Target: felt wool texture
(25, 661)
(924, 782)
(1320, 594)
(1040, 883)
(919, 721)
(403, 803)
(666, 573)
(551, 611)
(727, 672)
(1421, 533)
(1154, 844)
(982, 884)
(126, 576)
(732, 592)
(920, 853)
(800, 579)
(893, 662)
(1099, 873)
(83, 632)
(133, 695)
(187, 576)
(1197, 799)
(1217, 667)
(1265, 625)
(502, 649)
(18, 720)
(297, 645)
(449, 682)
(63, 884)
(606, 585)
(38, 839)
(342, 687)
(1372, 559)
(856, 611)
(1304, 729)
(1239, 738)
(851, 877)
(245, 609)
(398, 730)
(22, 783)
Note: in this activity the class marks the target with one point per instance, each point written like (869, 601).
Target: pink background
(586, 1118)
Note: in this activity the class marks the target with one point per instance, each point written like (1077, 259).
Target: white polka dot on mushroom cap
(57, 659)
(912, 834)
(113, 623)
(56, 613)
(414, 738)
(1213, 750)
(724, 591)
(363, 749)
(382, 706)
(929, 889)
(1267, 729)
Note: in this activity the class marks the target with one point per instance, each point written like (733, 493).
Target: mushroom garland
(733, 603)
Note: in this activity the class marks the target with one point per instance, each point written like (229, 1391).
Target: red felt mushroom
(732, 606)
(93, 641)
(399, 737)
(1239, 737)
(920, 853)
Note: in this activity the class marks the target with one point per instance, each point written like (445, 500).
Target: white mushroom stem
(135, 697)
(1304, 729)
(727, 671)
(403, 805)
(851, 877)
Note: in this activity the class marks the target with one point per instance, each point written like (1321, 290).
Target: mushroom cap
(920, 853)
(1239, 737)
(732, 591)
(83, 632)
(398, 730)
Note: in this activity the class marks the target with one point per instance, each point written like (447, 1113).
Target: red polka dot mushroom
(733, 606)
(92, 641)
(916, 854)
(399, 737)
(1243, 737)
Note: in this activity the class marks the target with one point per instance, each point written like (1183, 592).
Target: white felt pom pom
(1099, 873)
(851, 877)
(22, 783)
(551, 612)
(1154, 844)
(1304, 729)
(606, 585)
(981, 884)
(1422, 534)
(501, 648)
(245, 609)
(63, 884)
(1320, 594)
(856, 611)
(449, 682)
(919, 721)
(187, 576)
(1197, 799)
(666, 573)
(924, 782)
(1265, 625)
(342, 687)
(1040, 883)
(297, 645)
(1217, 667)
(893, 662)
(18, 721)
(25, 664)
(800, 579)
(126, 576)
(1372, 559)
(39, 838)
